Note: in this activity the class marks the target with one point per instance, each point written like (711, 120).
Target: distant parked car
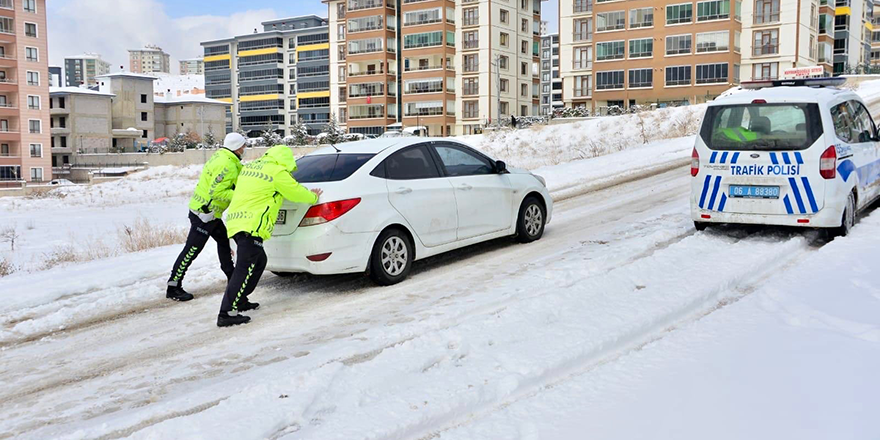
(61, 182)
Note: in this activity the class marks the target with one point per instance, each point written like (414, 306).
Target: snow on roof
(128, 75)
(187, 99)
(77, 91)
(178, 83)
(87, 56)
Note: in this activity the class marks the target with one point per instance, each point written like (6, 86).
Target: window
(583, 57)
(471, 109)
(505, 39)
(504, 16)
(30, 30)
(863, 125)
(581, 6)
(681, 13)
(678, 76)
(610, 50)
(144, 116)
(583, 86)
(461, 161)
(713, 10)
(471, 86)
(583, 29)
(427, 39)
(36, 174)
(340, 10)
(424, 16)
(143, 99)
(523, 68)
(32, 54)
(471, 63)
(609, 80)
(610, 21)
(767, 11)
(641, 18)
(767, 42)
(470, 16)
(772, 127)
(712, 73)
(33, 102)
(641, 48)
(365, 46)
(329, 167)
(502, 62)
(503, 85)
(764, 71)
(713, 42)
(524, 90)
(30, 5)
(524, 47)
(678, 44)
(10, 172)
(472, 39)
(504, 108)
(36, 150)
(524, 25)
(35, 126)
(411, 164)
(641, 78)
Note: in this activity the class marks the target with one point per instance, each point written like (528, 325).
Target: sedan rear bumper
(349, 253)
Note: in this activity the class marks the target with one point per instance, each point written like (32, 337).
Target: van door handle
(465, 187)
(403, 191)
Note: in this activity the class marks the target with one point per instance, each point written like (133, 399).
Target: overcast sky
(111, 27)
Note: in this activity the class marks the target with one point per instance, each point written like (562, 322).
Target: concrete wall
(89, 122)
(172, 119)
(127, 106)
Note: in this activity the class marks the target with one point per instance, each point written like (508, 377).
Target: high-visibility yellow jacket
(214, 191)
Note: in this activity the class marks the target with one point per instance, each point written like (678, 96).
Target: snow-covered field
(621, 323)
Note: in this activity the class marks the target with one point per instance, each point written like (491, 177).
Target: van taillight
(828, 163)
(327, 212)
(695, 163)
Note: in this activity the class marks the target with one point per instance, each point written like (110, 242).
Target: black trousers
(199, 233)
(249, 268)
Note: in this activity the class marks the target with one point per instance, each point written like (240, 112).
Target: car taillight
(327, 212)
(828, 163)
(695, 163)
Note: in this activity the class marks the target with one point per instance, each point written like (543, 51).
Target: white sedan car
(388, 202)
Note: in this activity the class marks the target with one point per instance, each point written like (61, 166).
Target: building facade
(274, 78)
(551, 79)
(192, 66)
(80, 123)
(875, 35)
(132, 111)
(853, 25)
(82, 70)
(781, 35)
(24, 93)
(576, 52)
(150, 59)
(190, 114)
(56, 77)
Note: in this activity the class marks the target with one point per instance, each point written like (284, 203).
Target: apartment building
(192, 66)
(576, 51)
(133, 109)
(551, 79)
(875, 35)
(499, 61)
(853, 25)
(24, 93)
(779, 35)
(150, 59)
(81, 70)
(81, 122)
(273, 78)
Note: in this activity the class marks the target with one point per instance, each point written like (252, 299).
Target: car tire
(849, 218)
(700, 226)
(392, 258)
(283, 274)
(531, 220)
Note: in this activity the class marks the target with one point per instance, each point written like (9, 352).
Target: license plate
(754, 192)
(282, 217)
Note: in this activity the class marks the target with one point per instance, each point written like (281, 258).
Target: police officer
(263, 185)
(212, 196)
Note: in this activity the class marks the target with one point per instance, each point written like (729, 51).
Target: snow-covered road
(336, 357)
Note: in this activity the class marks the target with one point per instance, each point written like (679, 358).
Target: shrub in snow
(333, 133)
(210, 140)
(571, 112)
(300, 135)
(6, 267)
(270, 138)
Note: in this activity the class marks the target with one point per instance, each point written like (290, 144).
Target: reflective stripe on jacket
(216, 183)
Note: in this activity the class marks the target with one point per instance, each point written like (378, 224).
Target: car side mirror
(501, 167)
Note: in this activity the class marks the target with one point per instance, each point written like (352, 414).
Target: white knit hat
(233, 141)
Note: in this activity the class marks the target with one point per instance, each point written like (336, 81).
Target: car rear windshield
(329, 167)
(761, 127)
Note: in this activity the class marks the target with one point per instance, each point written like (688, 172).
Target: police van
(790, 152)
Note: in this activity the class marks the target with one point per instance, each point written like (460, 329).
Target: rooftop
(77, 91)
(88, 56)
(128, 75)
(188, 99)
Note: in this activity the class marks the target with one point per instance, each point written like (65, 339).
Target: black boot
(178, 294)
(225, 320)
(247, 305)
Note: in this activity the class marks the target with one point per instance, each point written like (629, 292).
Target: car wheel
(700, 226)
(531, 221)
(849, 218)
(392, 258)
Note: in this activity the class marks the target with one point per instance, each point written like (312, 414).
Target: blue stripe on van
(724, 158)
(705, 191)
(786, 158)
(722, 203)
(810, 195)
(714, 193)
(774, 159)
(735, 159)
(797, 195)
(714, 156)
(800, 158)
(788, 205)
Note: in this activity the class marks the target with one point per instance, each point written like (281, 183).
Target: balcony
(369, 4)
(9, 110)
(767, 18)
(10, 135)
(767, 49)
(60, 130)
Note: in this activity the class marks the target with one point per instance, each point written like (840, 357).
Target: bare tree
(10, 235)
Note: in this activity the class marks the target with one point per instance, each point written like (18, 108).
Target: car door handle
(403, 191)
(465, 187)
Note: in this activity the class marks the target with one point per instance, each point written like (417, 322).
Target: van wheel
(531, 220)
(849, 218)
(392, 258)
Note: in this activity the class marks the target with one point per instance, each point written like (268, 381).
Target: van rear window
(329, 167)
(763, 127)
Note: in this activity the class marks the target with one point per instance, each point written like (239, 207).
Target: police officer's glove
(206, 217)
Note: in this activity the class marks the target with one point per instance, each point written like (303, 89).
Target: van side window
(840, 116)
(863, 126)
